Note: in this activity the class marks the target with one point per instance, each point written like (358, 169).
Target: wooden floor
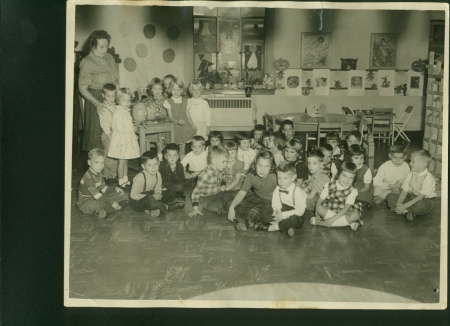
(133, 256)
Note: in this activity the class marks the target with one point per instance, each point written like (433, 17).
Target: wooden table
(156, 128)
(304, 123)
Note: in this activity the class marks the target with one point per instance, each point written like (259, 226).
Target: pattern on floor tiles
(132, 256)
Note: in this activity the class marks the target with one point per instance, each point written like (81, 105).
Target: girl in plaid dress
(336, 206)
(250, 207)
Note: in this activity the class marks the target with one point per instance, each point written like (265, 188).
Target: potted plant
(249, 82)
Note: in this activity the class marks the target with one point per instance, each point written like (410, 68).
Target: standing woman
(96, 69)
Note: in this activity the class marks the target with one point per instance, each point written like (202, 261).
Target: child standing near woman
(176, 107)
(248, 207)
(337, 205)
(156, 92)
(124, 145)
(199, 109)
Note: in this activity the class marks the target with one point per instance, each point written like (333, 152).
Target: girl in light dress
(199, 109)
(124, 145)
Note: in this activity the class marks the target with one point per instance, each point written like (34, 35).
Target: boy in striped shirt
(94, 196)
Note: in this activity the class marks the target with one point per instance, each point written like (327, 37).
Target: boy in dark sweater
(172, 174)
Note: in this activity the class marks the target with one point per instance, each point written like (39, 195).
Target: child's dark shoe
(176, 205)
(101, 213)
(180, 194)
(260, 227)
(124, 203)
(410, 216)
(367, 206)
(111, 182)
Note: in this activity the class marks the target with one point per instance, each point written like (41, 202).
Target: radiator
(232, 113)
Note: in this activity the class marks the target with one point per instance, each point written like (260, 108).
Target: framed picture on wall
(384, 50)
(316, 50)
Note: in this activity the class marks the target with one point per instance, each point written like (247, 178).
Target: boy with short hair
(391, 174)
(418, 188)
(109, 106)
(287, 128)
(288, 203)
(211, 183)
(330, 167)
(94, 196)
(256, 142)
(234, 169)
(146, 191)
(317, 179)
(172, 175)
(196, 158)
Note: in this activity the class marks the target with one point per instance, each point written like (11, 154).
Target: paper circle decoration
(141, 50)
(129, 64)
(149, 31)
(124, 29)
(173, 32)
(168, 55)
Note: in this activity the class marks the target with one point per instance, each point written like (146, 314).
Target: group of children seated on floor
(259, 181)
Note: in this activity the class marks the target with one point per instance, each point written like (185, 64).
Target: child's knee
(352, 216)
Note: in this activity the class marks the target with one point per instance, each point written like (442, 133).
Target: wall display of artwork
(292, 82)
(321, 81)
(384, 50)
(315, 50)
(386, 82)
(205, 35)
(415, 83)
(356, 82)
(205, 66)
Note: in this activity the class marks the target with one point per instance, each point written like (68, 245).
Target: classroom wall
(91, 18)
(351, 31)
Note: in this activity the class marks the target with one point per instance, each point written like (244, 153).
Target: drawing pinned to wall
(348, 64)
(321, 81)
(292, 82)
(356, 82)
(383, 51)
(252, 57)
(415, 83)
(386, 82)
(316, 49)
(204, 66)
(205, 35)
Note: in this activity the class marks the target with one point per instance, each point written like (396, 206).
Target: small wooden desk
(155, 128)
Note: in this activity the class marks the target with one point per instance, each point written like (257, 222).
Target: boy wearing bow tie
(288, 202)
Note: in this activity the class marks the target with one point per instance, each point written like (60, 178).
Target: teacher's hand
(100, 108)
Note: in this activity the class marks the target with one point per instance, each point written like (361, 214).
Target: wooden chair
(399, 125)
(322, 129)
(347, 111)
(268, 121)
(382, 124)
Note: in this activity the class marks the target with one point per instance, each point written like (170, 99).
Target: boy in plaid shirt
(94, 196)
(211, 183)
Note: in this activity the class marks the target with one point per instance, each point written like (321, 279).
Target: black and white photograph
(218, 156)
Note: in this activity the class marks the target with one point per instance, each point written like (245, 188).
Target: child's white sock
(160, 156)
(342, 221)
(274, 227)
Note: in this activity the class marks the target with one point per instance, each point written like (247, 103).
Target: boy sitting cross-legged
(172, 174)
(391, 174)
(418, 188)
(94, 196)
(288, 203)
(211, 183)
(317, 179)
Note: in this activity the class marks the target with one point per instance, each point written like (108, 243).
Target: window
(229, 45)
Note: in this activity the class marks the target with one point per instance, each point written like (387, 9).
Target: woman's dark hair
(98, 35)
(267, 155)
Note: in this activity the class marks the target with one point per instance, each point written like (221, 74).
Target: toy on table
(139, 114)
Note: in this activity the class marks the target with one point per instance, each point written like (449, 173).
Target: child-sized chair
(399, 125)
